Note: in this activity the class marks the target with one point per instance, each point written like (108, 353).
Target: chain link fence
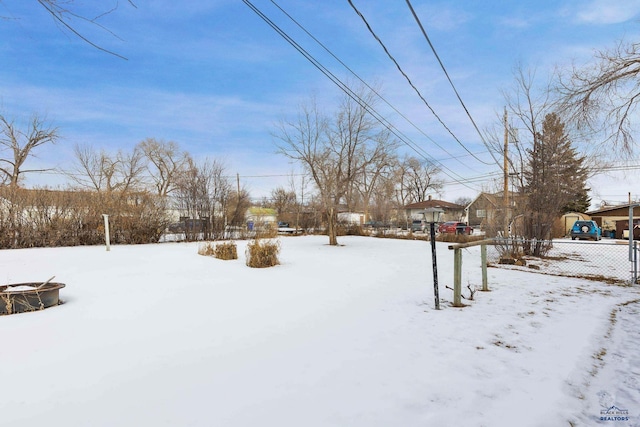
(610, 261)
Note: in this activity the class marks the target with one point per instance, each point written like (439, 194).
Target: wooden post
(107, 238)
(457, 277)
(483, 256)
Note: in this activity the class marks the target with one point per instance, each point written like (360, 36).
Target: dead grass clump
(268, 231)
(261, 254)
(226, 251)
(206, 249)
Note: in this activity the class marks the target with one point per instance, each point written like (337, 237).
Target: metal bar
(436, 292)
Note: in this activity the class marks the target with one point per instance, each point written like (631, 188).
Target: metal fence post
(457, 277)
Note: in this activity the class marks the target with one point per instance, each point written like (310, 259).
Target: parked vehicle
(586, 230)
(376, 224)
(417, 225)
(190, 225)
(455, 227)
(285, 228)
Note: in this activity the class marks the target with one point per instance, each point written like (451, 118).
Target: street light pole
(432, 216)
(436, 292)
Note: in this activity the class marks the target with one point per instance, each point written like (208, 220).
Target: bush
(206, 249)
(226, 251)
(48, 218)
(261, 254)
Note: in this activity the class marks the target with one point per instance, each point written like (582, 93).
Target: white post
(106, 231)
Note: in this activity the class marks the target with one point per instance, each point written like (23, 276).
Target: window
(481, 213)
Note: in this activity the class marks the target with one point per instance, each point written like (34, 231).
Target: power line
(338, 82)
(451, 156)
(411, 83)
(413, 12)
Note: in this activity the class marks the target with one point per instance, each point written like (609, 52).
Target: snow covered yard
(334, 336)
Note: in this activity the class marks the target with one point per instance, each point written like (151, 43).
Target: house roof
(606, 209)
(434, 204)
(259, 211)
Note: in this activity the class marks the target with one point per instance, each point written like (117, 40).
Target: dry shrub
(266, 231)
(261, 254)
(206, 249)
(350, 230)
(226, 251)
(47, 218)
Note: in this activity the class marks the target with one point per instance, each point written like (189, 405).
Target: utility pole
(505, 196)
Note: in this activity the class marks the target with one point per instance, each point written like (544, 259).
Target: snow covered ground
(156, 335)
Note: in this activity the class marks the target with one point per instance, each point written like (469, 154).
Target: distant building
(452, 211)
(257, 217)
(351, 218)
(487, 209)
(615, 220)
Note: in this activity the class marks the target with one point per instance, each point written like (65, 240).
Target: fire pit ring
(24, 297)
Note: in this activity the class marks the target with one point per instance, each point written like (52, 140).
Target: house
(452, 211)
(614, 220)
(487, 209)
(257, 217)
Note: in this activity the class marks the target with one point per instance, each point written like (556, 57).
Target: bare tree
(604, 95)
(383, 206)
(91, 169)
(417, 178)
(202, 192)
(379, 159)
(237, 206)
(20, 144)
(284, 202)
(330, 149)
(68, 17)
(101, 171)
(166, 163)
(131, 167)
(463, 201)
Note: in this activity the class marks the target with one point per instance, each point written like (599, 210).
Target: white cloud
(609, 12)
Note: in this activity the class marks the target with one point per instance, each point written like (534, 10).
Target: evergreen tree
(555, 180)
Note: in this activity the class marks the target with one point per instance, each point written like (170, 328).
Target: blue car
(586, 230)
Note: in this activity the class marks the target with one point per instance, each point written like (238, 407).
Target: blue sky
(215, 78)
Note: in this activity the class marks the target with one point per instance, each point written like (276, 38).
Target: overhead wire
(451, 156)
(336, 80)
(424, 33)
(384, 47)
